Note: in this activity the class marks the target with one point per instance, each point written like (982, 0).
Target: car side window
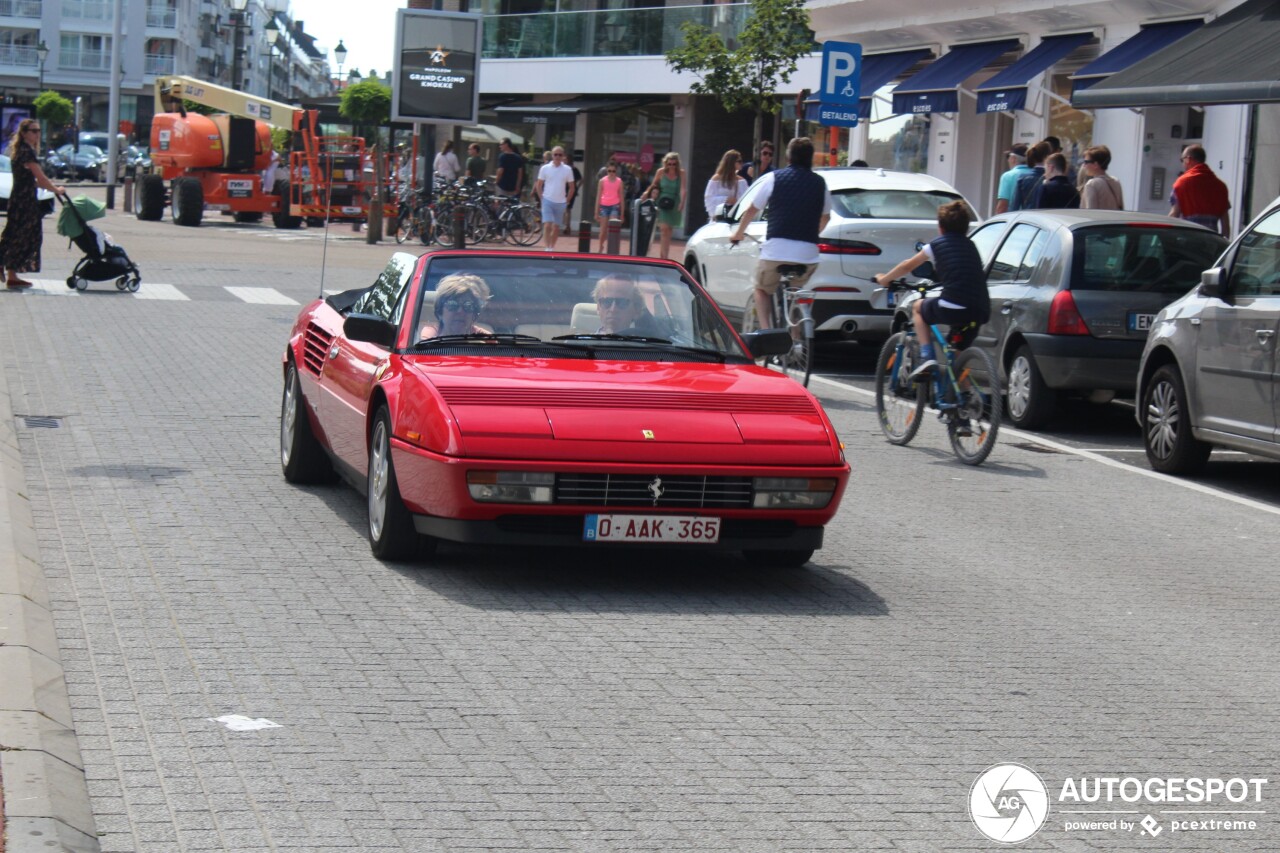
(1256, 271)
(387, 291)
(1032, 258)
(986, 239)
(1008, 263)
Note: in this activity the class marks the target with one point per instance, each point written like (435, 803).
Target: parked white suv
(1209, 373)
(877, 217)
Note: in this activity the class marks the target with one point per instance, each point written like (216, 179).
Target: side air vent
(315, 347)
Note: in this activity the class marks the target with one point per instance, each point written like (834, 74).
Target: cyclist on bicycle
(799, 207)
(958, 268)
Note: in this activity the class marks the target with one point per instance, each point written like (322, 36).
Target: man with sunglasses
(1199, 195)
(621, 307)
(762, 166)
(555, 187)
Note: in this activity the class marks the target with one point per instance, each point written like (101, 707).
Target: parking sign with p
(841, 83)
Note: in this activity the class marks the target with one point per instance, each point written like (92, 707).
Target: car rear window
(889, 204)
(1152, 259)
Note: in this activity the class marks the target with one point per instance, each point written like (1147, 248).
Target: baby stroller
(103, 260)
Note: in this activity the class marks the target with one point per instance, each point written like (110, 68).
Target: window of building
(1073, 128)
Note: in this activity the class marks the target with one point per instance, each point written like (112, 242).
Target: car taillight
(847, 247)
(1064, 317)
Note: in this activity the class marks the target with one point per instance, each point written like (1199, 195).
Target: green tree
(776, 36)
(368, 104)
(53, 110)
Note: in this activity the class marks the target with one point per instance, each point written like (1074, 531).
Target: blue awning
(1008, 89)
(1133, 49)
(933, 90)
(878, 70)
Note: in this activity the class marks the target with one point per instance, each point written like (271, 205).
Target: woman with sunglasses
(725, 187)
(668, 188)
(1100, 191)
(459, 300)
(23, 232)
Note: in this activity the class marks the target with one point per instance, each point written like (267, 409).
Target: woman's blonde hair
(11, 150)
(726, 174)
(672, 155)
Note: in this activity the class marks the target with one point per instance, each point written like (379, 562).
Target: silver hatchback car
(1073, 293)
(1209, 371)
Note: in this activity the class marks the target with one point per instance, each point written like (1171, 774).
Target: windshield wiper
(610, 336)
(479, 337)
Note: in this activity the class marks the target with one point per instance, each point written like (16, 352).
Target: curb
(45, 796)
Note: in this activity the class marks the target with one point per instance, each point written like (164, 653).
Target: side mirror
(767, 342)
(925, 270)
(370, 329)
(1211, 282)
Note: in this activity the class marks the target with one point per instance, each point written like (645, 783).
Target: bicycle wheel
(798, 364)
(524, 226)
(477, 224)
(426, 226)
(976, 423)
(443, 231)
(899, 403)
(405, 226)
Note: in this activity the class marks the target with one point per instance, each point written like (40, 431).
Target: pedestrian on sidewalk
(668, 188)
(1199, 195)
(1101, 191)
(724, 187)
(555, 187)
(609, 200)
(23, 230)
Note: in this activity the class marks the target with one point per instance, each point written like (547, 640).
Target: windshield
(889, 204)
(1142, 258)
(584, 303)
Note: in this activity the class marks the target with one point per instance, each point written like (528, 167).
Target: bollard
(613, 240)
(128, 194)
(584, 236)
(459, 227)
(356, 224)
(111, 196)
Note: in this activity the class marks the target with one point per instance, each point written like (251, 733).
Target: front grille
(653, 490)
(315, 347)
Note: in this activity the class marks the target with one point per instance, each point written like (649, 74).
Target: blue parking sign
(841, 73)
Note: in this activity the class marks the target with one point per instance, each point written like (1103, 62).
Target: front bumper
(1071, 362)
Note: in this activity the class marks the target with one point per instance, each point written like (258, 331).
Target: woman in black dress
(23, 232)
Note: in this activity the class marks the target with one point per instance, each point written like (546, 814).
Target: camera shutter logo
(1008, 803)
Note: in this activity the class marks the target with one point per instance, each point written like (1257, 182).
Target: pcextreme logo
(1009, 803)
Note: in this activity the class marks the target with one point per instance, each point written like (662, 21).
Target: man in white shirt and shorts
(555, 187)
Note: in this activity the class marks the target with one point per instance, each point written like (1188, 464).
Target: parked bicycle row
(472, 209)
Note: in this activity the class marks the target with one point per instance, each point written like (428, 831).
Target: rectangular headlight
(511, 487)
(792, 492)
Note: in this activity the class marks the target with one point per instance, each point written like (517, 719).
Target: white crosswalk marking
(260, 295)
(151, 290)
(50, 287)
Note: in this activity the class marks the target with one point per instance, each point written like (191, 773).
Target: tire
(404, 226)
(444, 227)
(426, 226)
(798, 364)
(302, 459)
(779, 559)
(391, 533)
(899, 403)
(148, 201)
(532, 229)
(979, 411)
(283, 219)
(750, 318)
(188, 202)
(1031, 402)
(1166, 425)
(247, 216)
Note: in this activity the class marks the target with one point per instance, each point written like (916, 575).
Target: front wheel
(404, 226)
(1166, 425)
(798, 364)
(302, 459)
(391, 532)
(899, 401)
(976, 421)
(1031, 400)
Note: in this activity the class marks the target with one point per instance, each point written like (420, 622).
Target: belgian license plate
(1140, 322)
(664, 529)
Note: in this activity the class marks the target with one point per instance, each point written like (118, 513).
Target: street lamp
(272, 32)
(340, 56)
(42, 53)
(237, 53)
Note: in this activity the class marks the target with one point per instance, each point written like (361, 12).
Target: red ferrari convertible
(527, 399)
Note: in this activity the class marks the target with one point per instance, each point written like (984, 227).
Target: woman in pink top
(609, 200)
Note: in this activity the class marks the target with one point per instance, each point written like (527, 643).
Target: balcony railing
(161, 16)
(88, 60)
(615, 32)
(158, 63)
(20, 9)
(87, 10)
(18, 55)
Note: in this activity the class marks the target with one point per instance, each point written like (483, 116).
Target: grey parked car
(1209, 373)
(1073, 293)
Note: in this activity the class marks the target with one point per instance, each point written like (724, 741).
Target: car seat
(585, 320)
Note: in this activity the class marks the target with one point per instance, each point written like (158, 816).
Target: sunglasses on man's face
(1089, 162)
(614, 301)
(468, 305)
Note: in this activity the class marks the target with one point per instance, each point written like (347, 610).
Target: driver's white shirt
(781, 248)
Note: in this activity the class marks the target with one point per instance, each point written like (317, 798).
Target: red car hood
(619, 411)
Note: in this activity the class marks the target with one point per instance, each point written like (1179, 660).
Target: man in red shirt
(1198, 195)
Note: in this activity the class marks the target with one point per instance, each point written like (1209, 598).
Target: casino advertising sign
(437, 67)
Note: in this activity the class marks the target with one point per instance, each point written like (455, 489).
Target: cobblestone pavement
(1042, 609)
